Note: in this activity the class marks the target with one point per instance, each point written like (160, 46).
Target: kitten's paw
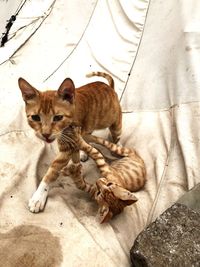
(37, 203)
(38, 200)
(83, 156)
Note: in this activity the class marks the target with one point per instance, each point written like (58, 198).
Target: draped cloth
(151, 49)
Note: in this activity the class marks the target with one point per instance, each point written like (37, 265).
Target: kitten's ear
(67, 90)
(124, 194)
(104, 214)
(27, 90)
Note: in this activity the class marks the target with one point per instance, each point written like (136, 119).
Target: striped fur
(118, 180)
(92, 106)
(104, 75)
(129, 171)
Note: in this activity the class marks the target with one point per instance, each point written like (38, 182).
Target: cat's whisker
(58, 133)
(55, 136)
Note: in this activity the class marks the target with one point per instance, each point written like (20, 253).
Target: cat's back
(95, 88)
(97, 105)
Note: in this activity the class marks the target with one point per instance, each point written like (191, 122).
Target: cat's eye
(57, 117)
(35, 117)
(109, 184)
(98, 193)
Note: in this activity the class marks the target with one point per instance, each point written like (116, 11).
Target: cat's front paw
(83, 156)
(38, 200)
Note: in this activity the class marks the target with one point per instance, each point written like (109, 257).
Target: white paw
(38, 200)
(83, 156)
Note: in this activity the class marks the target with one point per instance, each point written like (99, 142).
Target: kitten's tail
(104, 75)
(95, 155)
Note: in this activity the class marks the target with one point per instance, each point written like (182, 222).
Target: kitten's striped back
(128, 172)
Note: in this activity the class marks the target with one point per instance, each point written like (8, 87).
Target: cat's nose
(46, 136)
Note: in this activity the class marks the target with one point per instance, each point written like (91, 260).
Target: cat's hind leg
(116, 130)
(83, 156)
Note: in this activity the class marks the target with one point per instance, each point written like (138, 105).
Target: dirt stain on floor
(29, 246)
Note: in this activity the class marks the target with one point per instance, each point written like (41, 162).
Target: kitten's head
(49, 112)
(112, 199)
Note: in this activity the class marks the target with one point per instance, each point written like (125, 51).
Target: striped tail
(119, 150)
(104, 75)
(96, 156)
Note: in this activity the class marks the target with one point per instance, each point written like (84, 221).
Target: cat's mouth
(49, 140)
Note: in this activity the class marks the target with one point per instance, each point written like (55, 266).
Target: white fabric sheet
(152, 51)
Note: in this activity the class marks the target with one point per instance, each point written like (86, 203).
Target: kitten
(114, 190)
(92, 106)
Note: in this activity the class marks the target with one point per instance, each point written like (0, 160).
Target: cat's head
(49, 112)
(112, 199)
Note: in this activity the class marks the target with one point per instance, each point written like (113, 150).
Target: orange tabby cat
(114, 190)
(119, 179)
(92, 106)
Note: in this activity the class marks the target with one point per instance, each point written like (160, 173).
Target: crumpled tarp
(151, 48)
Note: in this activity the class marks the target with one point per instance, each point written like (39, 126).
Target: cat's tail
(95, 155)
(104, 75)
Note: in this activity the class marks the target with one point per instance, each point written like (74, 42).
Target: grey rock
(192, 198)
(172, 240)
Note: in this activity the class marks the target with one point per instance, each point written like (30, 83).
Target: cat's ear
(104, 214)
(27, 90)
(124, 195)
(67, 90)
